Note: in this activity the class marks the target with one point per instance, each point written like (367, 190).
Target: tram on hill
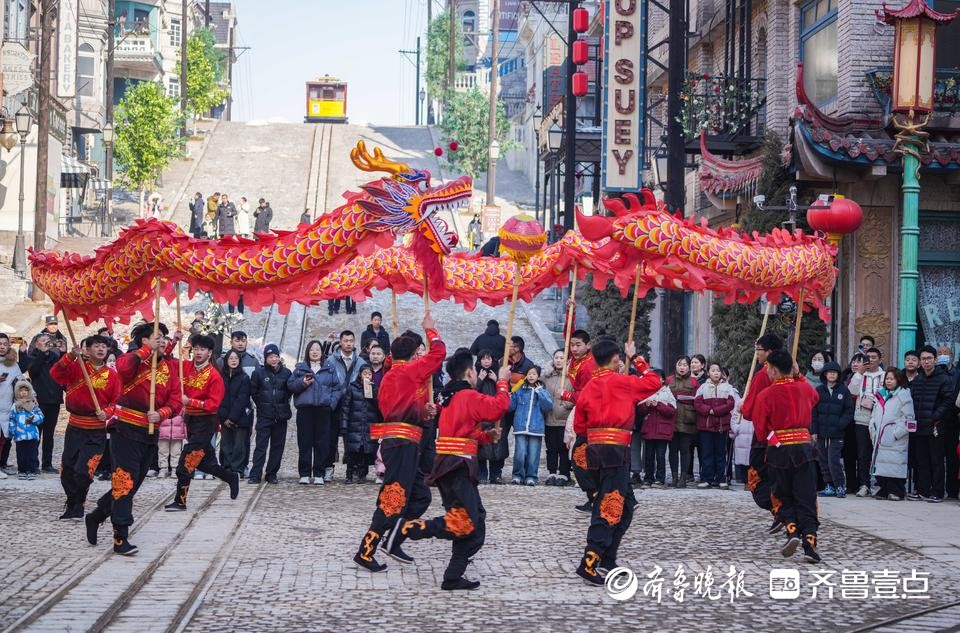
(326, 100)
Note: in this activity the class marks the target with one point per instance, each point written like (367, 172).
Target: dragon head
(406, 201)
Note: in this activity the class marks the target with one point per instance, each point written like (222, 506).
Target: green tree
(737, 326)
(147, 135)
(438, 55)
(465, 121)
(610, 313)
(204, 72)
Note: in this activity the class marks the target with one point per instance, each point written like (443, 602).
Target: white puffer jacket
(888, 430)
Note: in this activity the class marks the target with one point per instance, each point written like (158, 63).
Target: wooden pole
(796, 326)
(396, 322)
(513, 311)
(83, 365)
(153, 360)
(569, 327)
(180, 344)
(753, 363)
(426, 311)
(633, 310)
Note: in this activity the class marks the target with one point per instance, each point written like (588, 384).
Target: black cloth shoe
(393, 542)
(50, 470)
(120, 543)
(459, 583)
(234, 482)
(175, 506)
(93, 526)
(790, 547)
(810, 549)
(71, 514)
(775, 527)
(370, 565)
(586, 508)
(253, 480)
(588, 569)
(272, 479)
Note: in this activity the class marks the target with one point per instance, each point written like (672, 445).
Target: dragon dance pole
(426, 311)
(180, 344)
(153, 359)
(571, 306)
(753, 363)
(83, 365)
(796, 327)
(513, 310)
(396, 322)
(633, 310)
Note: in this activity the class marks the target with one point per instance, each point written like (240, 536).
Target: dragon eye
(422, 185)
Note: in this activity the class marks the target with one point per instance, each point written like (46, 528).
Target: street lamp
(494, 150)
(659, 167)
(913, 83)
(106, 227)
(423, 97)
(24, 121)
(554, 137)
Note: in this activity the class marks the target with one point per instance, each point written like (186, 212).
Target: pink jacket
(173, 428)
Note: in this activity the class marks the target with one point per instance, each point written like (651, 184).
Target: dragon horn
(378, 162)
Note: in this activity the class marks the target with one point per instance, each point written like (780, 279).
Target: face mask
(817, 365)
(943, 360)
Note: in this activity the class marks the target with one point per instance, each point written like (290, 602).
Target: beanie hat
(272, 348)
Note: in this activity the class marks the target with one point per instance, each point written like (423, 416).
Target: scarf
(451, 389)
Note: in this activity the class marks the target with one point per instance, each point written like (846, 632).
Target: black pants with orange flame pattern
(403, 495)
(760, 481)
(464, 522)
(197, 454)
(131, 461)
(82, 452)
(612, 511)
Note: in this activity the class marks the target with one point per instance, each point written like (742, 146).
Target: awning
(99, 185)
(73, 173)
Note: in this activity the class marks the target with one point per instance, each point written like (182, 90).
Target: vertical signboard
(67, 45)
(624, 94)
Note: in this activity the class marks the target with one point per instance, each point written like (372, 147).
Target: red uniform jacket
(761, 380)
(786, 404)
(134, 402)
(461, 428)
(106, 385)
(205, 389)
(403, 390)
(581, 371)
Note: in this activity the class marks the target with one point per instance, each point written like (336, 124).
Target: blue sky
(292, 41)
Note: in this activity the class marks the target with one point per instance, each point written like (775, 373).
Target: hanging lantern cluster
(453, 145)
(579, 53)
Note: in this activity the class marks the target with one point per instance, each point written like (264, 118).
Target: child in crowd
(684, 387)
(832, 415)
(530, 404)
(659, 417)
(25, 421)
(359, 411)
(714, 403)
(173, 432)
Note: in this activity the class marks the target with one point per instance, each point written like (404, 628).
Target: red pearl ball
(453, 146)
(438, 152)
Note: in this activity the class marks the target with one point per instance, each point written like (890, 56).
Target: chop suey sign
(622, 163)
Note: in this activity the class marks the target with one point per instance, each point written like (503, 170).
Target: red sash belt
(132, 416)
(456, 446)
(86, 422)
(619, 437)
(399, 430)
(785, 437)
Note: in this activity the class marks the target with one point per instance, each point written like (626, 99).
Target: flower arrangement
(216, 320)
(717, 104)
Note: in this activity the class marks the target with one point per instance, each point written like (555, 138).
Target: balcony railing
(723, 106)
(946, 90)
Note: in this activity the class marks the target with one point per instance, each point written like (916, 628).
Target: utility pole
(493, 150)
(416, 87)
(43, 134)
(429, 96)
(452, 46)
(106, 229)
(673, 332)
(231, 30)
(206, 15)
(184, 21)
(570, 129)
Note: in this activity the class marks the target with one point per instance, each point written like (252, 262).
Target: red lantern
(580, 84)
(581, 20)
(580, 53)
(438, 151)
(841, 217)
(453, 146)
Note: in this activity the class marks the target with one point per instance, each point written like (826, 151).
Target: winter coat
(888, 430)
(717, 398)
(25, 415)
(383, 338)
(198, 209)
(741, 430)
(269, 391)
(864, 387)
(325, 390)
(356, 416)
(561, 408)
(659, 415)
(685, 391)
(344, 377)
(519, 369)
(932, 399)
(248, 363)
(226, 219)
(491, 340)
(173, 429)
(834, 412)
(530, 406)
(243, 219)
(498, 450)
(10, 367)
(38, 364)
(236, 400)
(263, 216)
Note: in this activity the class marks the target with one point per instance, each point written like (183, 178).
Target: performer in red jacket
(131, 444)
(203, 392)
(606, 408)
(582, 369)
(759, 481)
(783, 412)
(405, 408)
(463, 413)
(86, 434)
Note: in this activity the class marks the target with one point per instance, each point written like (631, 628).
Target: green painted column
(909, 245)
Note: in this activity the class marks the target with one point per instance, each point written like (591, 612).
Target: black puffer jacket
(236, 400)
(932, 401)
(271, 395)
(356, 416)
(834, 412)
(38, 364)
(491, 340)
(383, 337)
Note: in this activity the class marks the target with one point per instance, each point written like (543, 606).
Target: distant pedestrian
(491, 340)
(272, 397)
(243, 218)
(236, 414)
(49, 394)
(263, 215)
(226, 217)
(474, 233)
(306, 217)
(26, 418)
(198, 208)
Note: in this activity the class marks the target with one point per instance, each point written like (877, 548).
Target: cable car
(326, 100)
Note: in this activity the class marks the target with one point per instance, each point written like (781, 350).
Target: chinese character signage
(624, 95)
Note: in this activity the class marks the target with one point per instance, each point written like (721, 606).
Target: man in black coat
(831, 417)
(932, 403)
(269, 391)
(198, 210)
(262, 217)
(491, 340)
(375, 331)
(37, 362)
